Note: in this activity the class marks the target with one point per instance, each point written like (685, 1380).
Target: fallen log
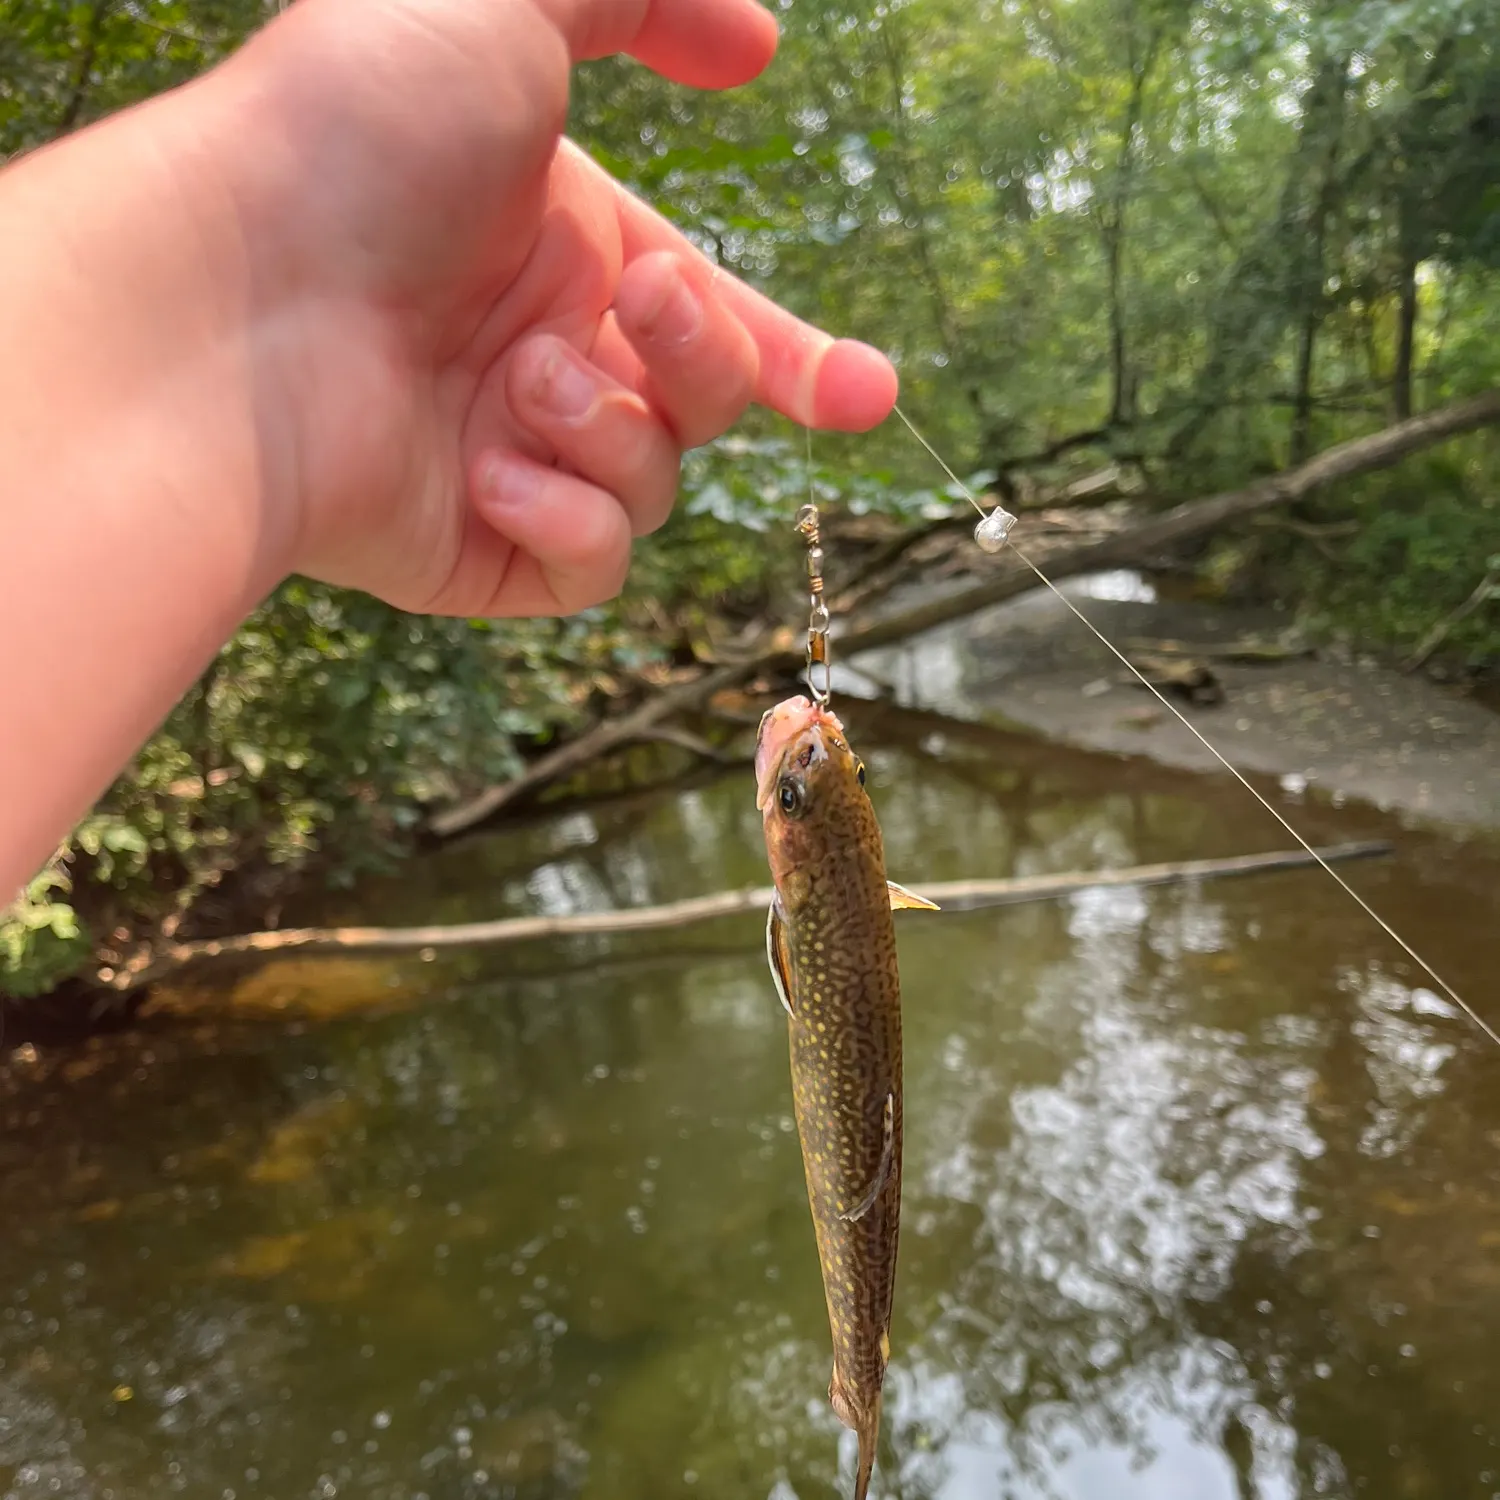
(1193, 518)
(173, 960)
(610, 734)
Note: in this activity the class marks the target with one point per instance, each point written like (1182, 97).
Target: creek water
(1202, 1194)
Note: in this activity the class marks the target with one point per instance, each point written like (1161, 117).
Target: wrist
(139, 323)
(142, 508)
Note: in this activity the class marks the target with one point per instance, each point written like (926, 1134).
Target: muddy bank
(1328, 724)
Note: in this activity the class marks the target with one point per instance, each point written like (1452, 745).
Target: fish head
(807, 781)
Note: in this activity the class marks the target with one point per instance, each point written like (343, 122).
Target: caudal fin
(869, 1433)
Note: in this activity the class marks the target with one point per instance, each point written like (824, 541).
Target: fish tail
(869, 1433)
(866, 1425)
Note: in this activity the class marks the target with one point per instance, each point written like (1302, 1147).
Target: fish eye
(790, 796)
(859, 771)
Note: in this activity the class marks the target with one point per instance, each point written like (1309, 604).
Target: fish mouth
(780, 727)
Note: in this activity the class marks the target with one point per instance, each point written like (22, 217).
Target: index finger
(706, 44)
(805, 374)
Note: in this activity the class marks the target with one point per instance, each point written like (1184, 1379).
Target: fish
(831, 947)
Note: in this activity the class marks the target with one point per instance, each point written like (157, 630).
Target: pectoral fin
(883, 1170)
(777, 956)
(905, 900)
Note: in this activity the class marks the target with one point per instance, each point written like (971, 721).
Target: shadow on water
(1203, 1193)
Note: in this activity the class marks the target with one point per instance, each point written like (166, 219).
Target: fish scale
(832, 947)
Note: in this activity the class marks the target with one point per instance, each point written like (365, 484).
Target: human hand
(478, 358)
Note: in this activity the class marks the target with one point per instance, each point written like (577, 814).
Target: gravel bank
(1343, 728)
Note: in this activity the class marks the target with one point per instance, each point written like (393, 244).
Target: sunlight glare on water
(1120, 584)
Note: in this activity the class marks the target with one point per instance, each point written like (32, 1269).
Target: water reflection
(1203, 1194)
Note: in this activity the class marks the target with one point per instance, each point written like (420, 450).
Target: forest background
(1124, 252)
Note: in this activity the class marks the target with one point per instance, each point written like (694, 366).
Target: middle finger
(699, 361)
(598, 429)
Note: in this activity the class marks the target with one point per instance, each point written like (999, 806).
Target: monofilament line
(1223, 760)
(937, 457)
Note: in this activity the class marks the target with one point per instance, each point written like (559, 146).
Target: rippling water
(1203, 1193)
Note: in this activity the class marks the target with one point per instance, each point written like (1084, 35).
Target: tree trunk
(72, 109)
(1119, 377)
(1406, 338)
(1330, 91)
(1112, 226)
(1302, 400)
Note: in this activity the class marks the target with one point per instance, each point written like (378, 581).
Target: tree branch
(955, 895)
(1435, 637)
(1093, 437)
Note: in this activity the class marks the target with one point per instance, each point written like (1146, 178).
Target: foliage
(41, 941)
(1423, 544)
(1182, 227)
(64, 63)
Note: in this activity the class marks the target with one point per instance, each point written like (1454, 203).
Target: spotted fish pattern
(831, 944)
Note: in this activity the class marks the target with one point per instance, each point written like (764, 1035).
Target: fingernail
(506, 483)
(677, 317)
(565, 386)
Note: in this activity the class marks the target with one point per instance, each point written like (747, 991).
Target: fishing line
(1207, 744)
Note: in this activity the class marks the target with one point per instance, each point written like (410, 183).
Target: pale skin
(349, 307)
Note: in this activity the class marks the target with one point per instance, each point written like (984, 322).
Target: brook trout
(832, 950)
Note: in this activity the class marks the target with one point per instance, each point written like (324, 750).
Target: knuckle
(709, 401)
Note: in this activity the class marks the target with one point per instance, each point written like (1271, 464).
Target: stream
(1202, 1197)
